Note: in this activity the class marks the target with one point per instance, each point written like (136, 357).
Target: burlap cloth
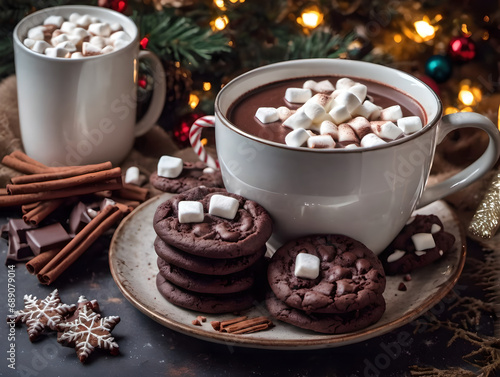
(456, 152)
(145, 154)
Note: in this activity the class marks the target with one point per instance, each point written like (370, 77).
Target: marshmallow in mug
(77, 37)
(344, 117)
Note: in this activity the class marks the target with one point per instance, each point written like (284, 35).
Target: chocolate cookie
(202, 265)
(402, 257)
(350, 275)
(327, 323)
(192, 175)
(195, 282)
(206, 303)
(215, 237)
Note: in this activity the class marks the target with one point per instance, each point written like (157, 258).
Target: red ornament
(430, 82)
(462, 49)
(116, 5)
(144, 42)
(181, 131)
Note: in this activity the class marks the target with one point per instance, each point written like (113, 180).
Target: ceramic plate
(133, 266)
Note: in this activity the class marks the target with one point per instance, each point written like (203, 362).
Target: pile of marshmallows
(80, 36)
(343, 117)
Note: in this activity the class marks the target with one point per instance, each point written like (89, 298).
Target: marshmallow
(120, 43)
(98, 42)
(267, 114)
(347, 134)
(361, 126)
(323, 99)
(321, 142)
(92, 213)
(80, 32)
(344, 83)
(190, 212)
(314, 110)
(297, 137)
(386, 130)
(351, 146)
(349, 100)
(435, 228)
(298, 120)
(119, 35)
(329, 128)
(307, 266)
(169, 166)
(362, 111)
(77, 55)
(208, 170)
(67, 45)
(396, 255)
(106, 202)
(297, 95)
(68, 27)
(419, 253)
(107, 49)
(372, 109)
(371, 140)
(89, 49)
(340, 114)
(40, 46)
(56, 52)
(132, 175)
(94, 20)
(324, 86)
(223, 206)
(392, 113)
(59, 39)
(36, 33)
(410, 124)
(75, 39)
(423, 241)
(359, 90)
(29, 42)
(54, 20)
(115, 26)
(309, 84)
(83, 21)
(284, 112)
(101, 29)
(73, 17)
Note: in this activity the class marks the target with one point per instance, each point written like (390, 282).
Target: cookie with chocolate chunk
(205, 303)
(403, 255)
(202, 265)
(195, 282)
(214, 237)
(193, 174)
(327, 323)
(350, 275)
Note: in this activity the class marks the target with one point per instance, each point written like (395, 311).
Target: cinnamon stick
(21, 166)
(36, 264)
(28, 188)
(40, 212)
(15, 200)
(25, 158)
(65, 173)
(3, 191)
(29, 207)
(133, 192)
(78, 245)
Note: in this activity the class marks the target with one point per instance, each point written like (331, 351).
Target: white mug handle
(157, 103)
(474, 171)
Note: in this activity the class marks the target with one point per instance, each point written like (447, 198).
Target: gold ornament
(486, 220)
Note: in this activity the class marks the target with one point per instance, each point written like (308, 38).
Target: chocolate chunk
(46, 238)
(78, 218)
(19, 227)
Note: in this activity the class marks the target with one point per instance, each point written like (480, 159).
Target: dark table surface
(150, 349)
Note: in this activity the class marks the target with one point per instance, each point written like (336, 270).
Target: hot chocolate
(268, 112)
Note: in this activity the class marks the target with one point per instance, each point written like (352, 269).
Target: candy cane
(207, 121)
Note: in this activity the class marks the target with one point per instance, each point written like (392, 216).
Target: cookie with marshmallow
(421, 242)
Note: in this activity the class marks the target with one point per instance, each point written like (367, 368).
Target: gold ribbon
(486, 220)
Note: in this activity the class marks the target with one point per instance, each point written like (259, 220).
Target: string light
(450, 110)
(194, 100)
(219, 23)
(310, 17)
(469, 95)
(423, 29)
(207, 86)
(398, 38)
(220, 4)
(465, 30)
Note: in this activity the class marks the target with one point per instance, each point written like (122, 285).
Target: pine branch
(319, 44)
(178, 38)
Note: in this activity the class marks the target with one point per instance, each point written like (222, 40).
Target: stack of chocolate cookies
(209, 243)
(330, 284)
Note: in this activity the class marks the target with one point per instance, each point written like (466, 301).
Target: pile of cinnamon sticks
(42, 189)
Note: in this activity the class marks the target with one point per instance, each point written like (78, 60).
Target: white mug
(365, 193)
(82, 111)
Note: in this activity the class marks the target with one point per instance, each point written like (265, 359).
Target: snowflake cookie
(40, 314)
(88, 330)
